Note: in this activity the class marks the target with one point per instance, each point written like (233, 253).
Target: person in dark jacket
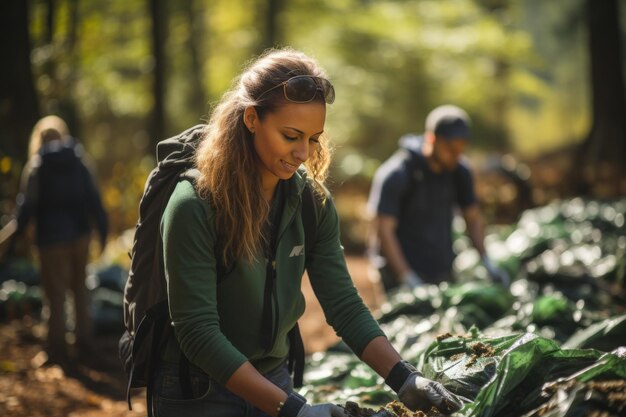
(264, 142)
(60, 194)
(413, 199)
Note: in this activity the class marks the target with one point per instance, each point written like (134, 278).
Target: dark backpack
(146, 314)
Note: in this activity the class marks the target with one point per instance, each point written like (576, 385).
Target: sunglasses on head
(304, 88)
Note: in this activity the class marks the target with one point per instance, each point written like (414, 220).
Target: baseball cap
(448, 121)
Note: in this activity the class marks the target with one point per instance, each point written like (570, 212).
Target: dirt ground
(97, 388)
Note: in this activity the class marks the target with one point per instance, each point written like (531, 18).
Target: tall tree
(69, 107)
(272, 30)
(50, 64)
(59, 98)
(19, 107)
(50, 17)
(157, 124)
(197, 50)
(606, 142)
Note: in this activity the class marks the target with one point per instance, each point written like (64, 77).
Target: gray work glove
(496, 274)
(295, 406)
(419, 393)
(412, 280)
(321, 410)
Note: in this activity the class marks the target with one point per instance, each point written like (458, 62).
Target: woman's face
(285, 138)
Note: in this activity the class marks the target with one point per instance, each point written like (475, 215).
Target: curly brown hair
(227, 160)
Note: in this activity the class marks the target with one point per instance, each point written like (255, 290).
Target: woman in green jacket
(264, 141)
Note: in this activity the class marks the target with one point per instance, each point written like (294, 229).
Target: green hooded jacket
(218, 327)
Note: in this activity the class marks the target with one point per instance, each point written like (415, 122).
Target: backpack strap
(295, 363)
(155, 326)
(192, 174)
(296, 345)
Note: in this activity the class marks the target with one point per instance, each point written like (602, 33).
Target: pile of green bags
(552, 344)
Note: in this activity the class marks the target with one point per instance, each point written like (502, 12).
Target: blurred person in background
(264, 142)
(60, 194)
(412, 201)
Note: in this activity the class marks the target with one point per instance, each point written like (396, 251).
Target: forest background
(542, 81)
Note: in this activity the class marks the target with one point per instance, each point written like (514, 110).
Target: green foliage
(517, 67)
(393, 61)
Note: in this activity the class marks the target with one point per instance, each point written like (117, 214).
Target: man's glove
(419, 393)
(496, 274)
(295, 406)
(411, 279)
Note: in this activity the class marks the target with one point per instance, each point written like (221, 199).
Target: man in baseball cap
(412, 201)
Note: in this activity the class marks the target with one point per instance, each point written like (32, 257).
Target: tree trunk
(49, 21)
(19, 107)
(72, 26)
(604, 151)
(272, 33)
(195, 20)
(50, 101)
(67, 100)
(157, 122)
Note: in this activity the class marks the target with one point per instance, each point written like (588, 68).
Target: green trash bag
(494, 300)
(605, 335)
(599, 389)
(520, 374)
(557, 312)
(339, 377)
(419, 302)
(464, 365)
(329, 368)
(553, 309)
(18, 300)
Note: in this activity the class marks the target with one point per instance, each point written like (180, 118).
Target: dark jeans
(210, 399)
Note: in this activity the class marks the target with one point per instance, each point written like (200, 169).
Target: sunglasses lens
(300, 89)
